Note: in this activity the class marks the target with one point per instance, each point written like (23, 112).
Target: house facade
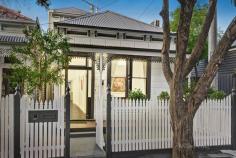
(131, 47)
(12, 24)
(109, 49)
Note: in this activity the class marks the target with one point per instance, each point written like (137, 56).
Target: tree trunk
(183, 146)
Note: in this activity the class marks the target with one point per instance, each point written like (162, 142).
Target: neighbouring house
(56, 15)
(225, 72)
(110, 48)
(12, 24)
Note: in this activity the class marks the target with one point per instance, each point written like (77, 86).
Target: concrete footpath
(87, 148)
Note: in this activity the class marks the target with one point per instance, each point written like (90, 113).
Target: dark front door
(80, 79)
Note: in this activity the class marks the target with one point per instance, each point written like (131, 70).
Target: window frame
(129, 75)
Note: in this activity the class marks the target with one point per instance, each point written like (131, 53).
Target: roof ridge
(68, 8)
(131, 18)
(84, 16)
(76, 8)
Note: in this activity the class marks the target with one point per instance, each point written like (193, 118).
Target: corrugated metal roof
(12, 39)
(109, 19)
(71, 10)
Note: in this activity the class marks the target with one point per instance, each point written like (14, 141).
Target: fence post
(16, 117)
(233, 113)
(67, 120)
(108, 129)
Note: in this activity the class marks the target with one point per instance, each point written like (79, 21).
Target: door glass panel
(89, 83)
(89, 62)
(78, 85)
(78, 61)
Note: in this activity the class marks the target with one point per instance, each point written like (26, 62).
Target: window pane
(118, 78)
(81, 61)
(118, 68)
(139, 69)
(138, 83)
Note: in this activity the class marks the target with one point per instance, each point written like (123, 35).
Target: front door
(80, 81)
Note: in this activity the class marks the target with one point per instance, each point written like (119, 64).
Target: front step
(92, 129)
(82, 134)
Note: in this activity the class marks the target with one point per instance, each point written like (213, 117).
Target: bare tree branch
(166, 42)
(200, 91)
(198, 48)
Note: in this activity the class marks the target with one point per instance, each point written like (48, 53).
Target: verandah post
(17, 97)
(108, 129)
(67, 120)
(233, 113)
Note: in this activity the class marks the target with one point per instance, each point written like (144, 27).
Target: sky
(143, 10)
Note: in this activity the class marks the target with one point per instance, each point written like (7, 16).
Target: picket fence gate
(37, 140)
(145, 124)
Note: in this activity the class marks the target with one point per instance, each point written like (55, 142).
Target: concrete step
(82, 134)
(93, 129)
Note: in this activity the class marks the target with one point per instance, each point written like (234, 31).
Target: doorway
(80, 79)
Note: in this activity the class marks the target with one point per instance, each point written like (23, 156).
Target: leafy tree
(183, 109)
(197, 21)
(39, 62)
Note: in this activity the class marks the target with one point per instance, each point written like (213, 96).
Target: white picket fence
(6, 127)
(43, 139)
(38, 140)
(145, 124)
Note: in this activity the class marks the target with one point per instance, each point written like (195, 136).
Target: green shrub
(212, 93)
(164, 95)
(136, 94)
(215, 94)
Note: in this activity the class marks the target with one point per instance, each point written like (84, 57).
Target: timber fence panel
(7, 127)
(146, 124)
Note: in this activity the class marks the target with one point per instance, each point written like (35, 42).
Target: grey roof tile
(12, 39)
(109, 19)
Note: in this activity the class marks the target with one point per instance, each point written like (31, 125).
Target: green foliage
(212, 93)
(188, 89)
(215, 94)
(40, 60)
(197, 21)
(164, 95)
(136, 94)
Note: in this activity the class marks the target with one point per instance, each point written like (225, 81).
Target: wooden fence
(43, 139)
(37, 139)
(145, 124)
(6, 127)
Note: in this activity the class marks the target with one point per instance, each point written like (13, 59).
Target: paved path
(85, 148)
